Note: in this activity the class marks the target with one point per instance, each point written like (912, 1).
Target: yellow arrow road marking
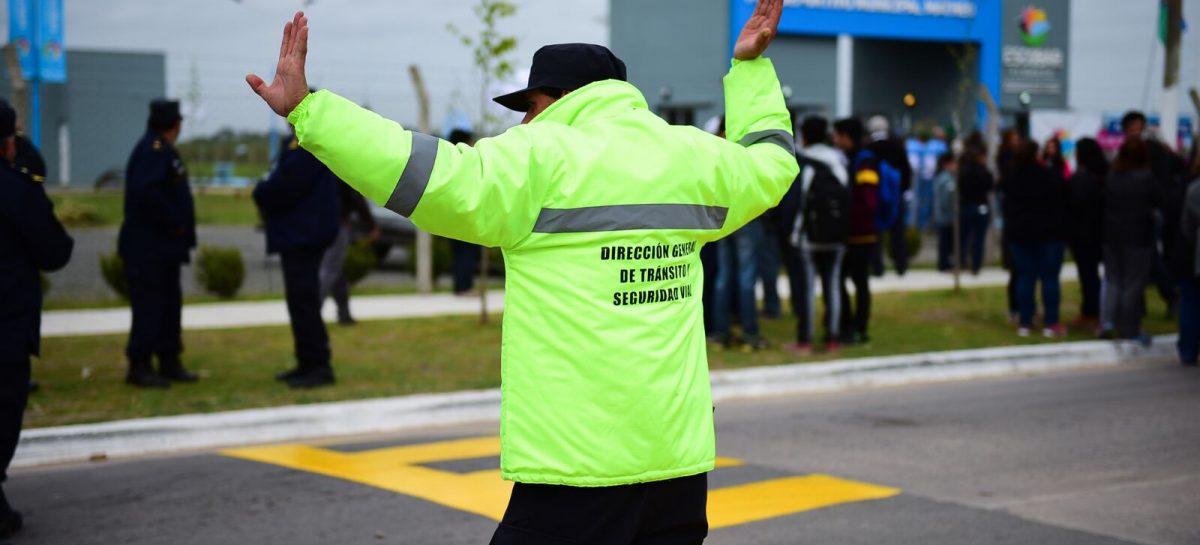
(484, 493)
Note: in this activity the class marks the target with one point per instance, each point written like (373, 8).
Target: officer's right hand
(290, 86)
(759, 30)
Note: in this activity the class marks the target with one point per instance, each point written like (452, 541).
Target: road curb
(150, 436)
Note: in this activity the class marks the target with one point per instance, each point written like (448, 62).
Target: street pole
(35, 87)
(424, 244)
(1169, 108)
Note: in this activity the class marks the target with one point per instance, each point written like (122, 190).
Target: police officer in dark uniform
(299, 204)
(29, 161)
(31, 240)
(156, 239)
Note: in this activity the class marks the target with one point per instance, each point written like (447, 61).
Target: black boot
(141, 375)
(10, 523)
(170, 368)
(313, 378)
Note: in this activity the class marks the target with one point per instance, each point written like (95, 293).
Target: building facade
(91, 123)
(1072, 62)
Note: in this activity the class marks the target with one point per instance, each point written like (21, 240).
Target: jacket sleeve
(47, 241)
(759, 170)
(148, 192)
(484, 194)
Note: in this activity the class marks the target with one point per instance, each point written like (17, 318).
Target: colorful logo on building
(1035, 26)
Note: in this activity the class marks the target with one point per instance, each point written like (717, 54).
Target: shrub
(360, 260)
(112, 268)
(76, 214)
(220, 271)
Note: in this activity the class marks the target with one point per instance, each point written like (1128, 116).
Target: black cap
(566, 66)
(8, 120)
(164, 113)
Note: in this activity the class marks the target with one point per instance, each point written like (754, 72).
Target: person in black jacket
(1188, 270)
(1085, 205)
(1168, 169)
(1131, 199)
(31, 240)
(156, 239)
(299, 204)
(1035, 203)
(894, 152)
(975, 185)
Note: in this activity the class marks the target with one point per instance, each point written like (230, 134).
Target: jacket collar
(599, 100)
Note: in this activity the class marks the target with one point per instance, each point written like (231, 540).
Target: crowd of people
(1128, 212)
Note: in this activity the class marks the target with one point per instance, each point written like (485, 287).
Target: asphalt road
(1097, 457)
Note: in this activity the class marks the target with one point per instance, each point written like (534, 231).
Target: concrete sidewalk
(63, 323)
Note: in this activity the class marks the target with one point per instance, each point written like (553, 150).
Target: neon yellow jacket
(601, 209)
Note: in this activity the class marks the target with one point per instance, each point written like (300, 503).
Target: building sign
(939, 20)
(1035, 40)
(35, 27)
(52, 59)
(21, 34)
(944, 8)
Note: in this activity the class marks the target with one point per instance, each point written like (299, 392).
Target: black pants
(1126, 274)
(465, 257)
(659, 513)
(823, 266)
(302, 284)
(14, 393)
(1088, 256)
(156, 300)
(857, 270)
(710, 264)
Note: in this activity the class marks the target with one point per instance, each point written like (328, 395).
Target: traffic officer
(31, 240)
(600, 208)
(156, 239)
(30, 162)
(299, 204)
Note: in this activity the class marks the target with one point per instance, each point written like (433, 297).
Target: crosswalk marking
(399, 469)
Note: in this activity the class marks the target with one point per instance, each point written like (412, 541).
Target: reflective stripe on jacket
(601, 209)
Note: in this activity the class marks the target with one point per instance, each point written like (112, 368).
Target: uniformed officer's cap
(567, 67)
(164, 113)
(8, 120)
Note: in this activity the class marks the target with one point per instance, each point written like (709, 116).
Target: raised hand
(290, 86)
(759, 30)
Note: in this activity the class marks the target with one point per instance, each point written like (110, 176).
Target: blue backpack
(890, 194)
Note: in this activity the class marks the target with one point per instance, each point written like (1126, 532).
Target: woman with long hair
(1085, 206)
(1053, 159)
(1035, 208)
(1131, 197)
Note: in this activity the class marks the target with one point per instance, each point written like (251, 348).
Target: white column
(1168, 113)
(844, 106)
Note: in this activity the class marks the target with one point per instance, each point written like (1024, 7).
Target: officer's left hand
(759, 30)
(290, 85)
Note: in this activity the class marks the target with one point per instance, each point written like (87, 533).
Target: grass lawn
(106, 208)
(82, 376)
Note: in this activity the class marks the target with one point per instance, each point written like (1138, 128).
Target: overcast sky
(360, 49)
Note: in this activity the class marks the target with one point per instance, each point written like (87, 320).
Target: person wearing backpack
(820, 229)
(897, 174)
(865, 209)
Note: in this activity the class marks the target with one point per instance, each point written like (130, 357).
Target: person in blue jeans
(1189, 287)
(737, 274)
(1035, 205)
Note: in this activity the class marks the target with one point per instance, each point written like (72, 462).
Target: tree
(492, 58)
(491, 53)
